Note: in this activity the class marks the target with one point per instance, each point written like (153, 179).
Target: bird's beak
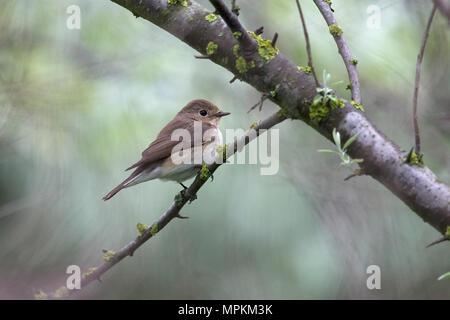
(221, 114)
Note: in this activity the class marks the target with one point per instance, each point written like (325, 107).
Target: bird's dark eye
(203, 113)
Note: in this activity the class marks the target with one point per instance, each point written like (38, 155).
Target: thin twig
(259, 31)
(356, 173)
(260, 103)
(444, 8)
(343, 49)
(179, 202)
(308, 45)
(274, 39)
(231, 19)
(234, 7)
(202, 57)
(444, 238)
(417, 81)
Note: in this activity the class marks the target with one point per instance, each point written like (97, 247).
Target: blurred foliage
(78, 106)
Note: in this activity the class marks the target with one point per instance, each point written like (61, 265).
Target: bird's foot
(184, 194)
(192, 198)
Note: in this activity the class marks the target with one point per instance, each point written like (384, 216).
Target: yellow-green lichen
(211, 48)
(284, 113)
(319, 110)
(236, 50)
(211, 17)
(41, 295)
(306, 70)
(141, 228)
(183, 3)
(414, 158)
(447, 232)
(254, 124)
(349, 86)
(354, 61)
(251, 64)
(204, 173)
(109, 255)
(241, 65)
(61, 292)
(357, 105)
(329, 2)
(154, 229)
(222, 150)
(88, 273)
(237, 34)
(265, 48)
(335, 30)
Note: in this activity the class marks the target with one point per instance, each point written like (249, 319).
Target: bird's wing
(163, 145)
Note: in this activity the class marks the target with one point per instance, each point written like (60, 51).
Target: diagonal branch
(417, 80)
(344, 50)
(174, 209)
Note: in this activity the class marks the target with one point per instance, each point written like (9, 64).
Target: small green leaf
(337, 138)
(336, 83)
(447, 232)
(444, 276)
(349, 141)
(326, 151)
(317, 99)
(333, 102)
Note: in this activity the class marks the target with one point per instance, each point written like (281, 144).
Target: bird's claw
(191, 197)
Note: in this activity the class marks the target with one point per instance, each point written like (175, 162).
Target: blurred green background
(78, 106)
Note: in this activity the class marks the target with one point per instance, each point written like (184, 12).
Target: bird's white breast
(168, 170)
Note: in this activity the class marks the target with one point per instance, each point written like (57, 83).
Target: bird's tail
(124, 184)
(114, 191)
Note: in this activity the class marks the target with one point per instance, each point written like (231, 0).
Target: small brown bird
(157, 160)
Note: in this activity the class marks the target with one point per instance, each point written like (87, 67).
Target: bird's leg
(183, 192)
(184, 187)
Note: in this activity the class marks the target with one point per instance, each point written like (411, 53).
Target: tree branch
(417, 80)
(344, 50)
